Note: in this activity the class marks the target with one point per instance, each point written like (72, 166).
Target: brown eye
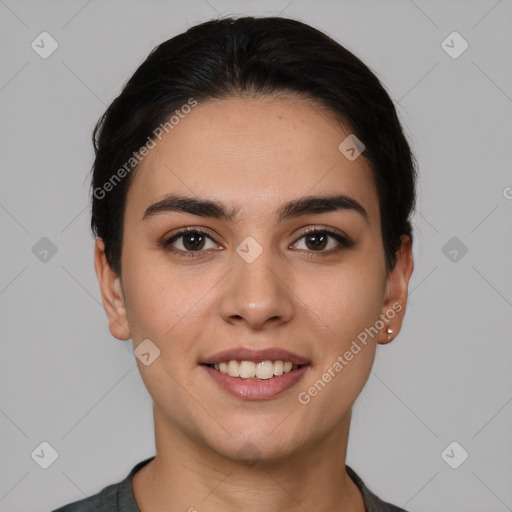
(193, 241)
(189, 241)
(317, 240)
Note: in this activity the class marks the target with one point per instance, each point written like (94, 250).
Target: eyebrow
(295, 208)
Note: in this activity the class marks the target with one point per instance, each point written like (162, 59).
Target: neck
(186, 475)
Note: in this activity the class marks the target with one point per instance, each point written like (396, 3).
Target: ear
(395, 300)
(112, 294)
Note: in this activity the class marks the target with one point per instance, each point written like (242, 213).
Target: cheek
(346, 301)
(158, 309)
(156, 301)
(347, 308)
(168, 308)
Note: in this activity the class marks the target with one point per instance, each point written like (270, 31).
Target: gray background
(65, 380)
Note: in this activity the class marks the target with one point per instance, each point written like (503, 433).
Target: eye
(316, 240)
(190, 241)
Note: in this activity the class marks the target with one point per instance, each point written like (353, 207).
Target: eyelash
(341, 239)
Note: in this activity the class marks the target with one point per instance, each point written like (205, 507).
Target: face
(257, 280)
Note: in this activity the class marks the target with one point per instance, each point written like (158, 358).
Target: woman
(251, 197)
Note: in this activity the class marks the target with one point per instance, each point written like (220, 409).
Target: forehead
(252, 153)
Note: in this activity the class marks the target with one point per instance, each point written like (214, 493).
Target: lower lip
(257, 389)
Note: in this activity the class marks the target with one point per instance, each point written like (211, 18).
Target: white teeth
(250, 370)
(278, 368)
(247, 369)
(265, 370)
(233, 368)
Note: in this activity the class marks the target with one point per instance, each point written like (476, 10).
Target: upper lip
(248, 354)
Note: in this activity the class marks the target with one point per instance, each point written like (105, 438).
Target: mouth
(250, 370)
(256, 375)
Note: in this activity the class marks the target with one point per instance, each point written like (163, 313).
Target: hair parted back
(250, 56)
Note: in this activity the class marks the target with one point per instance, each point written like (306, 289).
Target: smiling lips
(256, 356)
(255, 374)
(250, 370)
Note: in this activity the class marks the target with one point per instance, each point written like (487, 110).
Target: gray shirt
(119, 497)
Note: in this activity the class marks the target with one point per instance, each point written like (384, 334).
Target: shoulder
(103, 501)
(372, 502)
(116, 497)
(107, 500)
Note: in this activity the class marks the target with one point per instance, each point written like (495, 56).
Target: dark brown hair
(230, 57)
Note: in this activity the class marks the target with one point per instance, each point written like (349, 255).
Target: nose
(257, 293)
